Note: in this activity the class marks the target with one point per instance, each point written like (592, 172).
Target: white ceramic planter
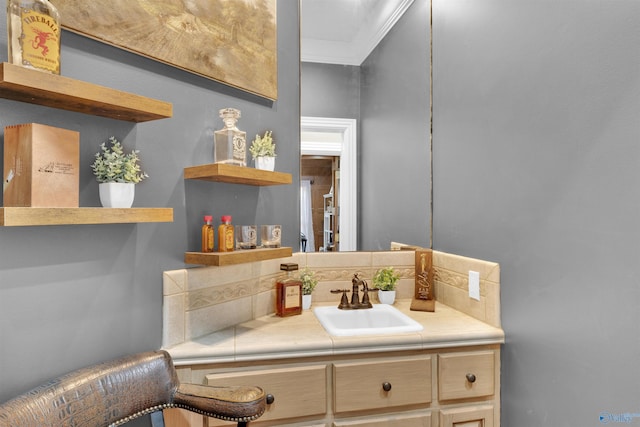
(117, 194)
(306, 302)
(265, 163)
(386, 297)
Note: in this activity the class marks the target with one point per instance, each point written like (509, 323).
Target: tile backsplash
(202, 300)
(451, 277)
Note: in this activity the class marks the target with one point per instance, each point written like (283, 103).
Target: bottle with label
(230, 143)
(226, 240)
(34, 34)
(207, 234)
(288, 293)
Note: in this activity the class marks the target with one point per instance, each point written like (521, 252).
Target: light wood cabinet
(398, 420)
(466, 375)
(296, 392)
(359, 386)
(471, 416)
(427, 388)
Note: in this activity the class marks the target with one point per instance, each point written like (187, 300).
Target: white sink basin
(381, 319)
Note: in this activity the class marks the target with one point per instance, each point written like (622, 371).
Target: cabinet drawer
(471, 416)
(360, 385)
(466, 375)
(297, 392)
(397, 420)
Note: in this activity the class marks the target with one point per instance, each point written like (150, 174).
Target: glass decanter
(230, 143)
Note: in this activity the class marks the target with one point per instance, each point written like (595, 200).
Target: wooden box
(41, 166)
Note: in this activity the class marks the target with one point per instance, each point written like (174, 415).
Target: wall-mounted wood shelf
(236, 257)
(233, 174)
(51, 90)
(25, 216)
(220, 172)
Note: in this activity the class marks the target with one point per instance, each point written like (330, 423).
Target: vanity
(445, 375)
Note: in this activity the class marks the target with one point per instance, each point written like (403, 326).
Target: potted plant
(385, 281)
(263, 151)
(117, 172)
(309, 283)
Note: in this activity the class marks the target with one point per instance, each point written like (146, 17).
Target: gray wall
(536, 147)
(330, 90)
(535, 166)
(74, 295)
(395, 162)
(392, 90)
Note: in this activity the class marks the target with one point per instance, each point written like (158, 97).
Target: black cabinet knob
(386, 386)
(471, 378)
(270, 399)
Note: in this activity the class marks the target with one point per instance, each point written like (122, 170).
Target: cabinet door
(468, 416)
(372, 385)
(414, 420)
(466, 375)
(297, 392)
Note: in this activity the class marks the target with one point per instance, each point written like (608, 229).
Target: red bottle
(288, 293)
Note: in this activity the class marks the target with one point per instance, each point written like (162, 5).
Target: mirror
(329, 142)
(377, 74)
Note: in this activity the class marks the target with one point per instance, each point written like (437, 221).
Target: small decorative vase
(386, 297)
(306, 302)
(117, 194)
(266, 163)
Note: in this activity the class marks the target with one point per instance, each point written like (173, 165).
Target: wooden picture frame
(230, 41)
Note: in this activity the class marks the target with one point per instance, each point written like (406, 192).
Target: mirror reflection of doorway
(323, 176)
(328, 183)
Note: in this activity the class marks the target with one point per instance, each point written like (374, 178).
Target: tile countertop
(273, 337)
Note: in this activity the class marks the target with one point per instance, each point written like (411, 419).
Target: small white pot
(117, 194)
(306, 302)
(386, 297)
(265, 163)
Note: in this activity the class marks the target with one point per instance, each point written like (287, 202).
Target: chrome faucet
(355, 303)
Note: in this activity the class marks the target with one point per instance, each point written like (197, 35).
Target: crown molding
(355, 51)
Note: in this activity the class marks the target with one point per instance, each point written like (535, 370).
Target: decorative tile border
(202, 298)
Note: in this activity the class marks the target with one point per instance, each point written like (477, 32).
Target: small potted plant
(117, 172)
(309, 283)
(385, 281)
(263, 151)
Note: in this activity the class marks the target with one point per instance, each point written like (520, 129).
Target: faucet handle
(366, 302)
(344, 302)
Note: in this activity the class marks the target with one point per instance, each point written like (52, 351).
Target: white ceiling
(345, 31)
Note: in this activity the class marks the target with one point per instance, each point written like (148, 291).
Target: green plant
(263, 146)
(112, 164)
(309, 281)
(385, 279)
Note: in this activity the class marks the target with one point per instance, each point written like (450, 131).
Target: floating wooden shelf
(236, 257)
(14, 217)
(220, 172)
(51, 90)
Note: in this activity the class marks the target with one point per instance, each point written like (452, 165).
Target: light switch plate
(474, 285)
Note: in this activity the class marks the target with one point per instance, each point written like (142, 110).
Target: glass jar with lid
(230, 143)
